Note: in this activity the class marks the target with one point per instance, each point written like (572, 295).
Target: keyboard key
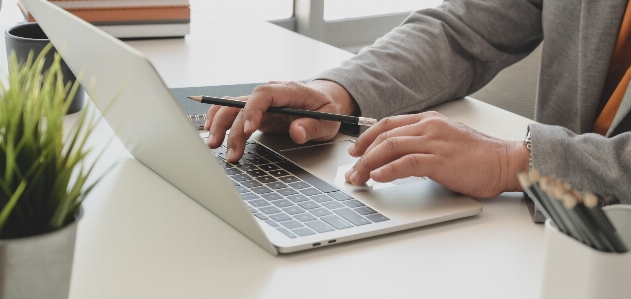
(258, 161)
(352, 217)
(256, 172)
(234, 183)
(252, 210)
(247, 167)
(218, 150)
(258, 203)
(241, 177)
(260, 216)
(272, 196)
(241, 189)
(266, 179)
(320, 226)
(251, 184)
(280, 217)
(299, 185)
(377, 217)
(293, 210)
(320, 212)
(304, 217)
(261, 190)
(303, 232)
(287, 191)
(282, 203)
(353, 203)
(271, 157)
(269, 210)
(289, 179)
(278, 172)
(250, 141)
(307, 177)
(339, 196)
(250, 156)
(291, 224)
(232, 171)
(264, 152)
(321, 198)
(308, 205)
(286, 232)
(272, 223)
(224, 164)
(332, 205)
(365, 211)
(336, 222)
(310, 191)
(277, 185)
(268, 167)
(254, 146)
(220, 155)
(298, 198)
(249, 196)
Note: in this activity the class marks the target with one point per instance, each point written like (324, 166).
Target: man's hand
(450, 153)
(318, 95)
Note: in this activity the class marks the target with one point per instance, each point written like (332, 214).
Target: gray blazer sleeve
(440, 54)
(587, 162)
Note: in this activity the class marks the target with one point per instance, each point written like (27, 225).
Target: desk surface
(143, 238)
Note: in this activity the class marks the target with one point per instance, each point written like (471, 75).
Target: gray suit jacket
(442, 54)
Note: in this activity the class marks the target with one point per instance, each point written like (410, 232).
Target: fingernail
(246, 127)
(211, 138)
(351, 149)
(353, 176)
(230, 154)
(303, 133)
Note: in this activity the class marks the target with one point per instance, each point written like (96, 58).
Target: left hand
(448, 152)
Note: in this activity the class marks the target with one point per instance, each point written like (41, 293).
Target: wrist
(343, 100)
(518, 160)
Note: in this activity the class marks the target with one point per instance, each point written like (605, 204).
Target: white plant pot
(38, 266)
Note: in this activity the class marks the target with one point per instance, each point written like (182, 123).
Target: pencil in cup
(575, 213)
(362, 121)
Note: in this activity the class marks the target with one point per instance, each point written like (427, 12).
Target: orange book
(127, 15)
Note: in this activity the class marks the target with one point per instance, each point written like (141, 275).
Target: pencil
(591, 203)
(533, 193)
(362, 121)
(582, 221)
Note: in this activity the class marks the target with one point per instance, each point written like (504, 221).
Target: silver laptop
(284, 197)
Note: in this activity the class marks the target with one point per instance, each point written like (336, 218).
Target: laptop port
(316, 244)
(332, 241)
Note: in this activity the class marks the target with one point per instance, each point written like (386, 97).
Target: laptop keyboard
(290, 199)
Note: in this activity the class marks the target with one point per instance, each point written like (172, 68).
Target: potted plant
(44, 177)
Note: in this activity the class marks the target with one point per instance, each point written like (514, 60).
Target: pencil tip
(196, 98)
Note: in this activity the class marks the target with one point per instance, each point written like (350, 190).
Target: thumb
(305, 129)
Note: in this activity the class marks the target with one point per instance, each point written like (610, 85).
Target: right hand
(317, 95)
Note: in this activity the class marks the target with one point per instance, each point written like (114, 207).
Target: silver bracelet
(528, 143)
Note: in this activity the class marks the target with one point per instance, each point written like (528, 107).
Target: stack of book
(130, 18)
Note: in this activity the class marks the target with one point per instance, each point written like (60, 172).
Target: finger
(384, 125)
(408, 130)
(210, 115)
(236, 139)
(220, 124)
(387, 152)
(305, 129)
(290, 94)
(387, 124)
(419, 165)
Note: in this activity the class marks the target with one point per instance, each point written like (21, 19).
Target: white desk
(143, 238)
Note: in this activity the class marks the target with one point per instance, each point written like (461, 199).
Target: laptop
(282, 196)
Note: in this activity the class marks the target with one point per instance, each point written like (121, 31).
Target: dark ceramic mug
(27, 37)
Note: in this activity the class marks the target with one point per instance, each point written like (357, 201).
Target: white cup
(574, 270)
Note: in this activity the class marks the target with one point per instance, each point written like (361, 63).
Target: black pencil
(602, 221)
(581, 220)
(362, 121)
